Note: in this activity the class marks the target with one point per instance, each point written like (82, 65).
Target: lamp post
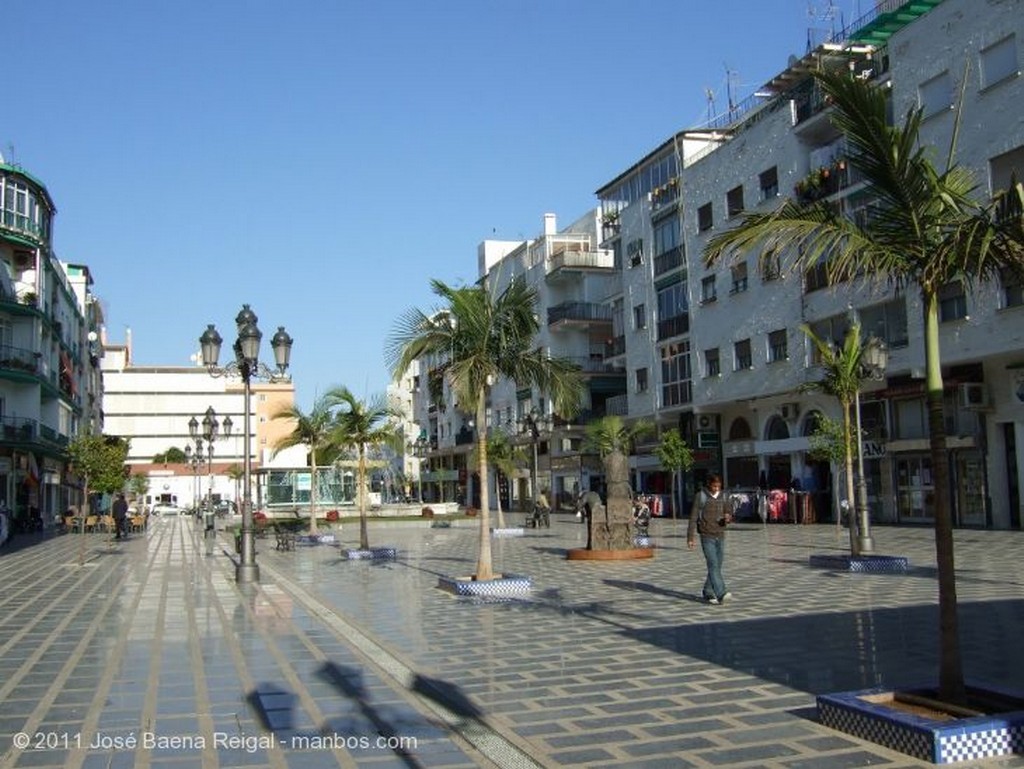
(210, 433)
(873, 360)
(533, 424)
(247, 366)
(420, 450)
(195, 461)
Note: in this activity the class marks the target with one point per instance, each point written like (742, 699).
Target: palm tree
(612, 439)
(236, 473)
(485, 335)
(926, 230)
(315, 430)
(842, 378)
(361, 425)
(506, 457)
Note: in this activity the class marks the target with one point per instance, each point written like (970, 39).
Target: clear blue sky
(323, 159)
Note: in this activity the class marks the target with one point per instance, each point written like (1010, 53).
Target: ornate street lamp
(533, 425)
(247, 366)
(873, 360)
(420, 450)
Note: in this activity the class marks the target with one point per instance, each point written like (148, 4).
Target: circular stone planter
(373, 554)
(505, 586)
(633, 554)
(509, 532)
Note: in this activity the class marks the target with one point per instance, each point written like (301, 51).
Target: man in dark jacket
(711, 513)
(120, 511)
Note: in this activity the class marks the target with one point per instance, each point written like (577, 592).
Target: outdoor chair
(91, 522)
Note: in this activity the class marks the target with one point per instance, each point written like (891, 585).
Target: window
(739, 278)
(887, 321)
(741, 353)
(734, 201)
(708, 292)
(640, 317)
(712, 366)
(778, 347)
(816, 277)
(771, 267)
(1004, 167)
(676, 388)
(952, 302)
(769, 183)
(666, 234)
(999, 62)
(1013, 289)
(635, 252)
(936, 95)
(705, 218)
(673, 319)
(641, 380)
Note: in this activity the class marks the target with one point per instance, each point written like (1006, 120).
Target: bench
(285, 540)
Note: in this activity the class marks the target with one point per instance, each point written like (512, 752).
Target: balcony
(617, 405)
(19, 361)
(579, 314)
(615, 346)
(569, 262)
(595, 365)
(18, 430)
(669, 260)
(676, 326)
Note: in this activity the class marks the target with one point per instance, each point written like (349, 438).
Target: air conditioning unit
(973, 395)
(790, 411)
(705, 421)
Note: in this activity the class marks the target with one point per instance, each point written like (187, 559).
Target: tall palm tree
(842, 378)
(235, 472)
(506, 458)
(926, 230)
(485, 335)
(362, 425)
(315, 430)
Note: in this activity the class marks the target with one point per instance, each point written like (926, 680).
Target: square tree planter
(505, 586)
(866, 715)
(373, 554)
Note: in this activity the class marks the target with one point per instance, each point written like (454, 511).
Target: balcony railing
(617, 405)
(615, 346)
(18, 359)
(595, 365)
(580, 312)
(581, 260)
(668, 261)
(670, 327)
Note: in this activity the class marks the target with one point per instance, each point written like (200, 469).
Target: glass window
(887, 321)
(739, 278)
(666, 234)
(734, 201)
(769, 183)
(936, 95)
(1013, 290)
(999, 61)
(712, 366)
(676, 387)
(914, 488)
(640, 316)
(708, 292)
(910, 419)
(1002, 168)
(778, 347)
(771, 267)
(672, 301)
(705, 218)
(743, 357)
(641, 380)
(952, 302)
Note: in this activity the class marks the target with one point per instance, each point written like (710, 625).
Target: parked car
(163, 509)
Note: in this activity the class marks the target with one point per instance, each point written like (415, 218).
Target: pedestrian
(709, 517)
(120, 511)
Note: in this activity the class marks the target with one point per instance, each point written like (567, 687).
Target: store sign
(873, 449)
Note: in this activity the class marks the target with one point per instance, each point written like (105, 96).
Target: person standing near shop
(120, 511)
(709, 517)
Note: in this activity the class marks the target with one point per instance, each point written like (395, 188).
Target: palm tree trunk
(497, 494)
(851, 516)
(364, 534)
(484, 567)
(312, 493)
(951, 674)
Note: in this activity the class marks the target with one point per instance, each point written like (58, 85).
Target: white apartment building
(153, 405)
(49, 380)
(729, 374)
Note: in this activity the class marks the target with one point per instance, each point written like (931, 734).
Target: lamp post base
(247, 573)
(865, 544)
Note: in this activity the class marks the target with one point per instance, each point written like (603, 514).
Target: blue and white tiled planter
(940, 742)
(505, 586)
(512, 531)
(373, 554)
(865, 564)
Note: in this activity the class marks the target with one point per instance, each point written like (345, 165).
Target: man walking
(710, 515)
(120, 511)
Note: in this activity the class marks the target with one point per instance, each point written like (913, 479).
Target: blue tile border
(865, 564)
(509, 532)
(509, 585)
(373, 554)
(940, 742)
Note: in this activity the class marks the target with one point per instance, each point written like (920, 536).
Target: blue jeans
(714, 554)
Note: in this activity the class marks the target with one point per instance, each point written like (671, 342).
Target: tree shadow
(644, 587)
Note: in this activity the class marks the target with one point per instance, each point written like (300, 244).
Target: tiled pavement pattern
(606, 664)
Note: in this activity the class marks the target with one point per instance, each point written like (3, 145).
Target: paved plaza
(146, 653)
